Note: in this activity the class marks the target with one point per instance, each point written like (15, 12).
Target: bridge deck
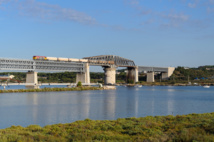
(152, 69)
(32, 65)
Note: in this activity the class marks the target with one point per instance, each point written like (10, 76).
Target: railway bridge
(109, 63)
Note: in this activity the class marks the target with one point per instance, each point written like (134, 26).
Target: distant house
(209, 69)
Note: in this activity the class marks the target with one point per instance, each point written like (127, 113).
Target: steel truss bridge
(115, 61)
(34, 65)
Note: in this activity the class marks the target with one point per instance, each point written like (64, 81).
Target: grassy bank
(51, 89)
(193, 127)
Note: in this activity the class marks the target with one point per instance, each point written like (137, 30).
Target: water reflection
(65, 107)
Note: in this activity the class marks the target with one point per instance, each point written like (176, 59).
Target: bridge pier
(132, 74)
(110, 75)
(85, 76)
(150, 77)
(32, 78)
(166, 75)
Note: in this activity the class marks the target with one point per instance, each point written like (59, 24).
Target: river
(45, 108)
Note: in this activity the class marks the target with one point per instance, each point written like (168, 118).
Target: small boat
(206, 86)
(138, 86)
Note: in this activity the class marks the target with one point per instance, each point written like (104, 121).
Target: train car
(73, 60)
(39, 58)
(83, 60)
(52, 58)
(62, 59)
(111, 62)
(92, 61)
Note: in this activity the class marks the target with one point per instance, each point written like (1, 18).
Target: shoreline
(83, 88)
(191, 127)
(165, 84)
(52, 89)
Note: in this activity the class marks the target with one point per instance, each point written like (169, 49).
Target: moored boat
(206, 86)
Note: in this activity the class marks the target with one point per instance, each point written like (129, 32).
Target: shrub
(79, 84)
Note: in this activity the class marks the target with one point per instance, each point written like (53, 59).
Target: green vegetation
(51, 89)
(130, 81)
(201, 73)
(193, 127)
(181, 75)
(79, 84)
(65, 77)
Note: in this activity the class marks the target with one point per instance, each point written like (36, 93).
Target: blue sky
(150, 32)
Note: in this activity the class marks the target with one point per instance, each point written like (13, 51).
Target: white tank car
(84, 60)
(67, 59)
(52, 58)
(73, 60)
(63, 59)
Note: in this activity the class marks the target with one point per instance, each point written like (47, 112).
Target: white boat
(206, 86)
(138, 86)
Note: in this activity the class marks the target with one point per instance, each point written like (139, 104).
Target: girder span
(31, 65)
(153, 69)
(113, 61)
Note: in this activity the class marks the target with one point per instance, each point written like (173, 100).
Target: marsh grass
(51, 89)
(188, 128)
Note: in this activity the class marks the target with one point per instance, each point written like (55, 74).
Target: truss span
(31, 65)
(112, 60)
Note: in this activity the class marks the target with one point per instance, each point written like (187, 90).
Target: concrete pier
(169, 73)
(31, 77)
(150, 77)
(110, 75)
(85, 76)
(132, 74)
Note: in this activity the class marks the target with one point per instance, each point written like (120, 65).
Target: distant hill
(202, 72)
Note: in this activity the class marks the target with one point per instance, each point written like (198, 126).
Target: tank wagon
(72, 60)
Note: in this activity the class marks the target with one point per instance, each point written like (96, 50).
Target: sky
(159, 33)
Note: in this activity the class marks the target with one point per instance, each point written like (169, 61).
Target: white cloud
(177, 17)
(3, 1)
(210, 10)
(174, 20)
(148, 22)
(211, 1)
(132, 2)
(34, 9)
(192, 5)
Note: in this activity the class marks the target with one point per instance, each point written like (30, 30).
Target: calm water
(64, 107)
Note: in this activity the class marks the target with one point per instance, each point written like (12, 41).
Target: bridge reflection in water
(64, 107)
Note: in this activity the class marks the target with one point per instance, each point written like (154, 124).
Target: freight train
(72, 60)
(59, 59)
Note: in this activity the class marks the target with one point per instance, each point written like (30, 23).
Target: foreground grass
(51, 89)
(193, 127)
